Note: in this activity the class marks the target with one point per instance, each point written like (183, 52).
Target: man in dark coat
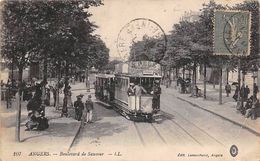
(35, 103)
(247, 91)
(255, 90)
(236, 93)
(79, 107)
(228, 89)
(156, 95)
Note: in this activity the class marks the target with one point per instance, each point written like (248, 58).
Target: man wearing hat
(156, 94)
(88, 113)
(79, 107)
(131, 94)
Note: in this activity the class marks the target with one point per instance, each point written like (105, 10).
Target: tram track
(185, 131)
(139, 134)
(154, 128)
(158, 133)
(194, 125)
(75, 137)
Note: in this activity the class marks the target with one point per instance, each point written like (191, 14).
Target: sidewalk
(226, 111)
(57, 138)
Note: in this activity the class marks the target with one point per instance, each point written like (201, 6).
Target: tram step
(103, 103)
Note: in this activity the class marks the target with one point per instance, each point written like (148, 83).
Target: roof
(105, 76)
(138, 75)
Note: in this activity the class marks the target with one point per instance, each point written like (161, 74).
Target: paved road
(179, 124)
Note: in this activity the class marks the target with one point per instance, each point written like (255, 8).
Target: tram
(135, 107)
(104, 87)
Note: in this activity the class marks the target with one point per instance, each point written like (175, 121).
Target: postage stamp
(232, 32)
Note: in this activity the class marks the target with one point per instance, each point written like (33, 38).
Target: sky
(115, 14)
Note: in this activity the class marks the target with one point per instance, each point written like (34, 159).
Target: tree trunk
(66, 84)
(19, 93)
(177, 73)
(183, 72)
(193, 80)
(239, 85)
(214, 79)
(220, 86)
(205, 80)
(227, 74)
(195, 73)
(58, 90)
(170, 75)
(45, 75)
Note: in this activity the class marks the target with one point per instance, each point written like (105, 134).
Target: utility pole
(220, 83)
(239, 81)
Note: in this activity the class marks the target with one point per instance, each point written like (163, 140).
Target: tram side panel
(141, 104)
(121, 91)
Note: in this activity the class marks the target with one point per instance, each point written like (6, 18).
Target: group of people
(185, 85)
(252, 105)
(137, 90)
(83, 112)
(243, 92)
(36, 112)
(80, 77)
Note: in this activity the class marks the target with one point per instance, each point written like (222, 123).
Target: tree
(111, 65)
(151, 49)
(41, 30)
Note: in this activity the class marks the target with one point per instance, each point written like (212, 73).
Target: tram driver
(156, 95)
(138, 93)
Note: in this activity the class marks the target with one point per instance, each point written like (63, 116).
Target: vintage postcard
(130, 80)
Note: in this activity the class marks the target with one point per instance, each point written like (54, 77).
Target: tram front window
(145, 82)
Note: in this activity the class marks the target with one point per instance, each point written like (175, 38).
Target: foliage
(57, 30)
(148, 49)
(111, 65)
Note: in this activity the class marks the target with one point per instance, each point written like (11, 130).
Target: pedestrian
(242, 92)
(156, 95)
(235, 96)
(247, 91)
(83, 78)
(131, 94)
(88, 111)
(69, 97)
(88, 85)
(255, 90)
(105, 92)
(79, 107)
(139, 90)
(167, 79)
(228, 89)
(54, 93)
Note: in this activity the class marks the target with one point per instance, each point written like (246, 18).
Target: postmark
(136, 30)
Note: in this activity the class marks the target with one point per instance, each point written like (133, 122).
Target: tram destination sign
(139, 68)
(232, 32)
(144, 68)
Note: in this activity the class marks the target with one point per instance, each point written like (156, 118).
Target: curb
(74, 138)
(225, 118)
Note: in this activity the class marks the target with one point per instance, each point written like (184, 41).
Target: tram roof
(105, 75)
(139, 75)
